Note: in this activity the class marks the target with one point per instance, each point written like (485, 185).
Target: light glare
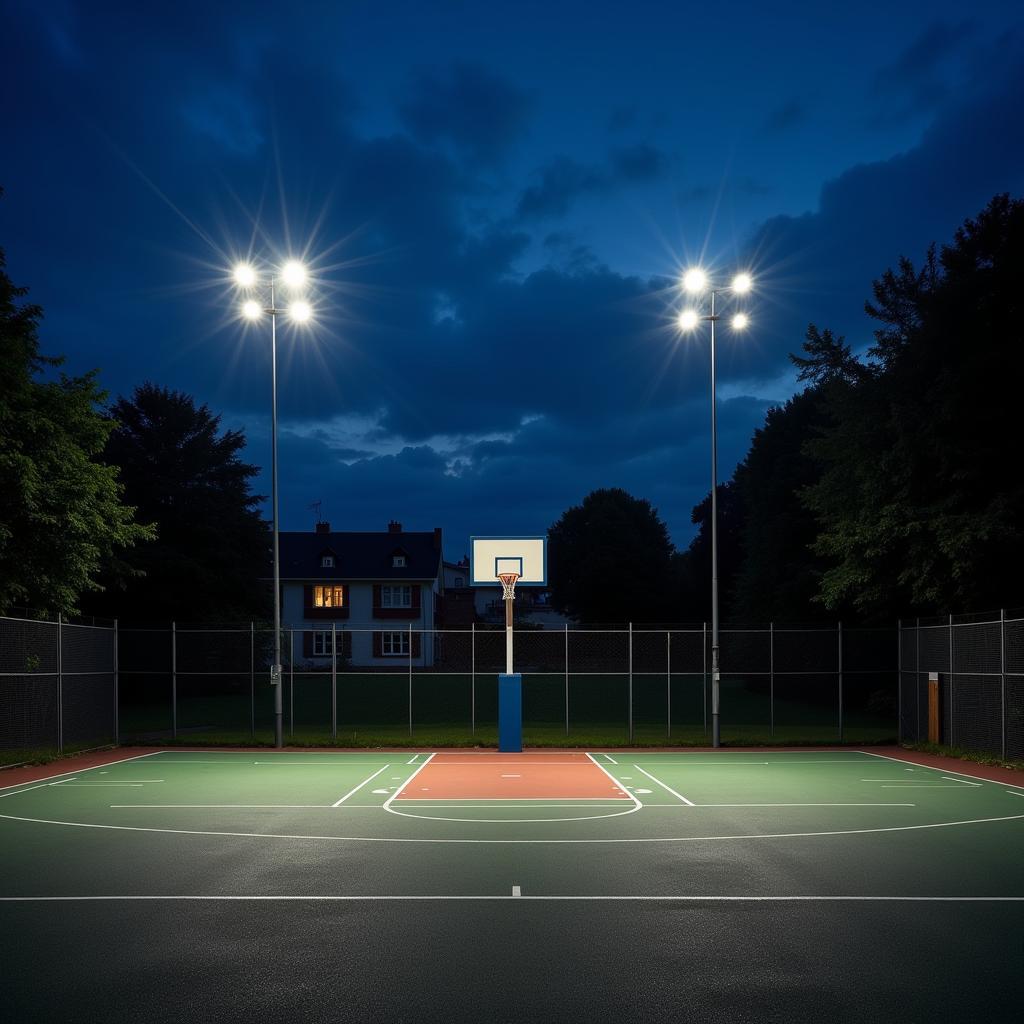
(741, 284)
(300, 312)
(245, 275)
(251, 310)
(293, 274)
(695, 280)
(740, 321)
(688, 319)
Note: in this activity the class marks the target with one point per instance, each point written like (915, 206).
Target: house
(458, 609)
(379, 592)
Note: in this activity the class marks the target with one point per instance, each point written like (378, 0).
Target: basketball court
(562, 885)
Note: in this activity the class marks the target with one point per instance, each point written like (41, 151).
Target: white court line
(121, 807)
(517, 891)
(963, 782)
(669, 789)
(338, 803)
(41, 785)
(750, 836)
(618, 785)
(920, 785)
(1013, 792)
(610, 758)
(675, 806)
(78, 771)
(398, 789)
(931, 768)
(412, 759)
(519, 896)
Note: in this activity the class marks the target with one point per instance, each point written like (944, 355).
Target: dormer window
(398, 561)
(327, 561)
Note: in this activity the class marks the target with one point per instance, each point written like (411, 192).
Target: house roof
(359, 556)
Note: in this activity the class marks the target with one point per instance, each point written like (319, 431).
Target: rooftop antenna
(316, 505)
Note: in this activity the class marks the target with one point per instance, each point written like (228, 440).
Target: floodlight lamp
(740, 321)
(742, 283)
(293, 273)
(245, 276)
(251, 310)
(300, 312)
(695, 280)
(688, 319)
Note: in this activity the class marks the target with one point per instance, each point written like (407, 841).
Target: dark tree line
(891, 484)
(141, 510)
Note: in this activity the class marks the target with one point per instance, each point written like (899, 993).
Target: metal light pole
(696, 281)
(295, 276)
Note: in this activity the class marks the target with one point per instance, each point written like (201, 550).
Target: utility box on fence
(933, 707)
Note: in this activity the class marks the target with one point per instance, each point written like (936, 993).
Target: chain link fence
(979, 660)
(69, 686)
(58, 686)
(580, 685)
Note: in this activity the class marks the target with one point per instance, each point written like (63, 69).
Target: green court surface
(817, 885)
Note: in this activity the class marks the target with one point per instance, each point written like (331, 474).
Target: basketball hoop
(508, 584)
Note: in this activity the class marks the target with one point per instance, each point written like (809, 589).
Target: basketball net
(508, 584)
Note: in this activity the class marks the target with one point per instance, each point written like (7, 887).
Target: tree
(609, 561)
(212, 547)
(692, 567)
(917, 502)
(61, 508)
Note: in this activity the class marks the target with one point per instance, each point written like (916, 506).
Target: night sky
(496, 200)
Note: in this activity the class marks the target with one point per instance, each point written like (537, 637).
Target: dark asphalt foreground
(512, 961)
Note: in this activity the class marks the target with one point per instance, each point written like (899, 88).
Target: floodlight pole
(716, 738)
(275, 671)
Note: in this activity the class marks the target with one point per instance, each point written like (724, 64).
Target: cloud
(564, 180)
(468, 106)
(225, 115)
(786, 117)
(919, 80)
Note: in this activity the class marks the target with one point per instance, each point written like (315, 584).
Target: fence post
(899, 680)
(704, 676)
(291, 681)
(334, 682)
(631, 682)
(472, 680)
(949, 710)
(1002, 681)
(174, 680)
(917, 678)
(567, 679)
(840, 642)
(668, 682)
(771, 679)
(252, 678)
(60, 686)
(410, 678)
(117, 688)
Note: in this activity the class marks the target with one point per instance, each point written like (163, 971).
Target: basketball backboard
(527, 556)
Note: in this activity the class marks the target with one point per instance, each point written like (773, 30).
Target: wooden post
(933, 707)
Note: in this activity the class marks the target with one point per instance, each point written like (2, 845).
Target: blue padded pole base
(510, 713)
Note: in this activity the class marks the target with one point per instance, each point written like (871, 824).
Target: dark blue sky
(495, 200)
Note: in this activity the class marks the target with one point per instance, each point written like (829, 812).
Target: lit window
(327, 561)
(396, 597)
(394, 643)
(328, 597)
(398, 561)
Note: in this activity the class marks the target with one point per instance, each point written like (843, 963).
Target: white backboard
(527, 556)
